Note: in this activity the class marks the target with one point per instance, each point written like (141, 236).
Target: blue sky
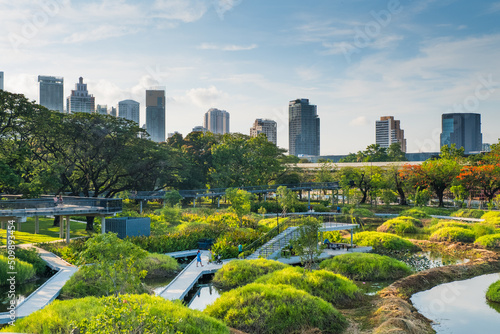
(356, 60)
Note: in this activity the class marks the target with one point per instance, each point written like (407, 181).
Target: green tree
(172, 198)
(452, 152)
(394, 153)
(241, 202)
(286, 199)
(306, 244)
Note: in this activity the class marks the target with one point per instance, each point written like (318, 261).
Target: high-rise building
(102, 109)
(129, 109)
(112, 111)
(52, 92)
(388, 131)
(80, 100)
(216, 121)
(1, 80)
(463, 130)
(265, 126)
(303, 128)
(155, 114)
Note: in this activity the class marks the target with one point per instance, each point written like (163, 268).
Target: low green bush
(335, 237)
(320, 208)
(68, 252)
(444, 224)
(240, 272)
(30, 256)
(367, 267)
(272, 222)
(158, 265)
(383, 240)
(275, 309)
(357, 212)
(124, 314)
(492, 217)
(493, 293)
(24, 270)
(468, 213)
(415, 213)
(227, 244)
(401, 224)
(481, 229)
(331, 287)
(453, 234)
(490, 241)
(273, 207)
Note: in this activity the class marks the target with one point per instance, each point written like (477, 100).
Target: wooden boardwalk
(48, 291)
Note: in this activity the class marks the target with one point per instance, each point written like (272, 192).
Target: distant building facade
(265, 126)
(129, 109)
(112, 111)
(1, 80)
(101, 109)
(304, 128)
(388, 131)
(199, 128)
(155, 114)
(216, 121)
(463, 130)
(52, 92)
(80, 100)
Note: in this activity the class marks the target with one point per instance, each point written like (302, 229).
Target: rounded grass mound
(24, 270)
(401, 224)
(415, 213)
(490, 241)
(493, 293)
(331, 287)
(445, 224)
(260, 308)
(453, 234)
(468, 213)
(383, 240)
(492, 217)
(123, 314)
(158, 265)
(367, 267)
(240, 272)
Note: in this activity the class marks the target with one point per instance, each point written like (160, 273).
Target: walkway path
(48, 291)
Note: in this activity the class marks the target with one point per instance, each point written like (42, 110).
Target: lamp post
(278, 221)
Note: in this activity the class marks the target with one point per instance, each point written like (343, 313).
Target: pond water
(22, 291)
(158, 284)
(202, 294)
(460, 307)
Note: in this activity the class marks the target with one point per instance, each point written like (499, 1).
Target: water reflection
(22, 291)
(202, 294)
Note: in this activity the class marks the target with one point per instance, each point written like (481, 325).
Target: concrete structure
(267, 127)
(80, 100)
(199, 128)
(102, 109)
(129, 109)
(304, 128)
(1, 80)
(463, 130)
(112, 111)
(52, 92)
(155, 114)
(216, 121)
(129, 226)
(388, 131)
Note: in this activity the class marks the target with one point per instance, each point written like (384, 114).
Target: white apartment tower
(52, 92)
(216, 121)
(388, 131)
(265, 126)
(80, 100)
(129, 109)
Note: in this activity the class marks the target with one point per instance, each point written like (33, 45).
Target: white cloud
(181, 10)
(359, 121)
(494, 7)
(99, 33)
(308, 73)
(205, 97)
(231, 47)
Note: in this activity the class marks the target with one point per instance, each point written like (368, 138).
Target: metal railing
(108, 205)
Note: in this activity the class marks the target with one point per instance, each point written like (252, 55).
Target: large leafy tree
(485, 178)
(306, 244)
(366, 179)
(241, 202)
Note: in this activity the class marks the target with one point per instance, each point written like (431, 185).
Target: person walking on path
(198, 258)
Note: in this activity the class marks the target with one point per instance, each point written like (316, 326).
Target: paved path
(48, 291)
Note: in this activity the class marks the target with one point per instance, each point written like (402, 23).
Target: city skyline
(358, 60)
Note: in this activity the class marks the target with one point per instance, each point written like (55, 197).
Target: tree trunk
(363, 200)
(90, 223)
(440, 195)
(57, 219)
(402, 196)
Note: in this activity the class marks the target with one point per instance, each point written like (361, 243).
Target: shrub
(124, 314)
(24, 270)
(492, 217)
(368, 267)
(401, 224)
(68, 252)
(240, 272)
(481, 229)
(490, 241)
(30, 256)
(158, 265)
(259, 308)
(321, 208)
(468, 213)
(383, 240)
(331, 287)
(335, 237)
(357, 212)
(453, 234)
(272, 222)
(493, 293)
(445, 224)
(415, 213)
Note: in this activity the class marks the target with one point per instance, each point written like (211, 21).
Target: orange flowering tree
(485, 178)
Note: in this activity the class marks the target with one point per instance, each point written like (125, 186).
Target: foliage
(240, 202)
(274, 207)
(481, 229)
(375, 153)
(158, 265)
(124, 314)
(320, 208)
(401, 224)
(415, 213)
(306, 244)
(493, 293)
(367, 267)
(68, 252)
(24, 270)
(383, 240)
(333, 288)
(492, 217)
(227, 244)
(490, 241)
(468, 213)
(286, 199)
(357, 212)
(453, 234)
(259, 308)
(272, 222)
(240, 272)
(172, 198)
(334, 237)
(29, 255)
(484, 178)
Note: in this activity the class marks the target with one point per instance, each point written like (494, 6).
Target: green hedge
(273, 207)
(444, 224)
(158, 265)
(30, 256)
(275, 309)
(468, 213)
(367, 267)
(490, 241)
(24, 270)
(401, 224)
(227, 244)
(453, 234)
(240, 272)
(124, 314)
(331, 287)
(492, 217)
(415, 213)
(383, 240)
(493, 293)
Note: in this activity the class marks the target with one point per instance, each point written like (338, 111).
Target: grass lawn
(47, 232)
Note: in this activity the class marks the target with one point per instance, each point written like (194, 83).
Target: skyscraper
(112, 111)
(463, 130)
(52, 92)
(102, 109)
(155, 114)
(303, 128)
(1, 80)
(265, 126)
(216, 121)
(129, 109)
(388, 131)
(80, 100)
